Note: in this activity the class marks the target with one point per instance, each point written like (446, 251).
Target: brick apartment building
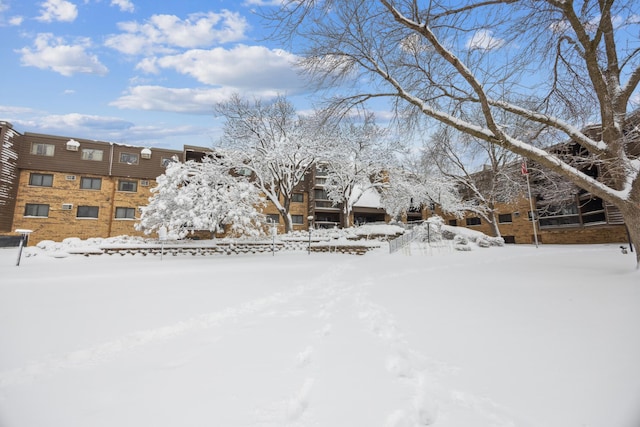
(63, 187)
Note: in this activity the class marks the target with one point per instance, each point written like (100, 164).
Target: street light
(310, 221)
(23, 238)
(274, 230)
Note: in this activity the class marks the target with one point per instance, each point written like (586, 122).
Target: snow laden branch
(203, 195)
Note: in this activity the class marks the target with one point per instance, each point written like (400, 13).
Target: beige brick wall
(61, 223)
(296, 208)
(586, 235)
(522, 230)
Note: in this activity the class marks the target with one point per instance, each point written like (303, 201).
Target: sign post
(310, 221)
(23, 239)
(525, 172)
(162, 235)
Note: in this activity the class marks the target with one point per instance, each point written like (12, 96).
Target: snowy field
(504, 336)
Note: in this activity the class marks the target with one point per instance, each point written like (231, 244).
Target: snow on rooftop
(369, 199)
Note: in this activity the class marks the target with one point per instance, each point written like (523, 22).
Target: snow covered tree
(357, 162)
(416, 185)
(555, 63)
(202, 196)
(485, 174)
(273, 143)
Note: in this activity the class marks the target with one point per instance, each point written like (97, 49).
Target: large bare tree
(559, 64)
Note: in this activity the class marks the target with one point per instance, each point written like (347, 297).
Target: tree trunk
(286, 215)
(346, 216)
(494, 224)
(631, 215)
(288, 224)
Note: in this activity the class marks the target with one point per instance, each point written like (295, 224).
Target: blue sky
(143, 72)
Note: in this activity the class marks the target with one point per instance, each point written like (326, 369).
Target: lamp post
(24, 236)
(310, 221)
(274, 230)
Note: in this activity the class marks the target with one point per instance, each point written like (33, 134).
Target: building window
(505, 218)
(129, 158)
(564, 216)
(131, 186)
(87, 183)
(273, 218)
(166, 161)
(40, 149)
(87, 212)
(126, 213)
(320, 194)
(41, 180)
(32, 209)
(243, 171)
(297, 197)
(91, 154)
(297, 219)
(592, 210)
(474, 221)
(453, 222)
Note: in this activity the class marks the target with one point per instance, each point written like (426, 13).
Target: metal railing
(402, 241)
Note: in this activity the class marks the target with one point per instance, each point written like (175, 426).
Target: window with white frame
(125, 213)
(41, 179)
(273, 218)
(92, 154)
(41, 149)
(297, 219)
(297, 197)
(35, 209)
(87, 212)
(129, 158)
(166, 161)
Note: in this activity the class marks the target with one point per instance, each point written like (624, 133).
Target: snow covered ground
(503, 336)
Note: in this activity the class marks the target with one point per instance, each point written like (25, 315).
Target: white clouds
(57, 10)
(104, 128)
(182, 100)
(83, 121)
(164, 33)
(251, 70)
(67, 59)
(484, 40)
(16, 21)
(241, 66)
(124, 5)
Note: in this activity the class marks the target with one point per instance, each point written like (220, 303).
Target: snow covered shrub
(448, 234)
(483, 242)
(72, 242)
(49, 245)
(202, 196)
(460, 240)
(496, 241)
